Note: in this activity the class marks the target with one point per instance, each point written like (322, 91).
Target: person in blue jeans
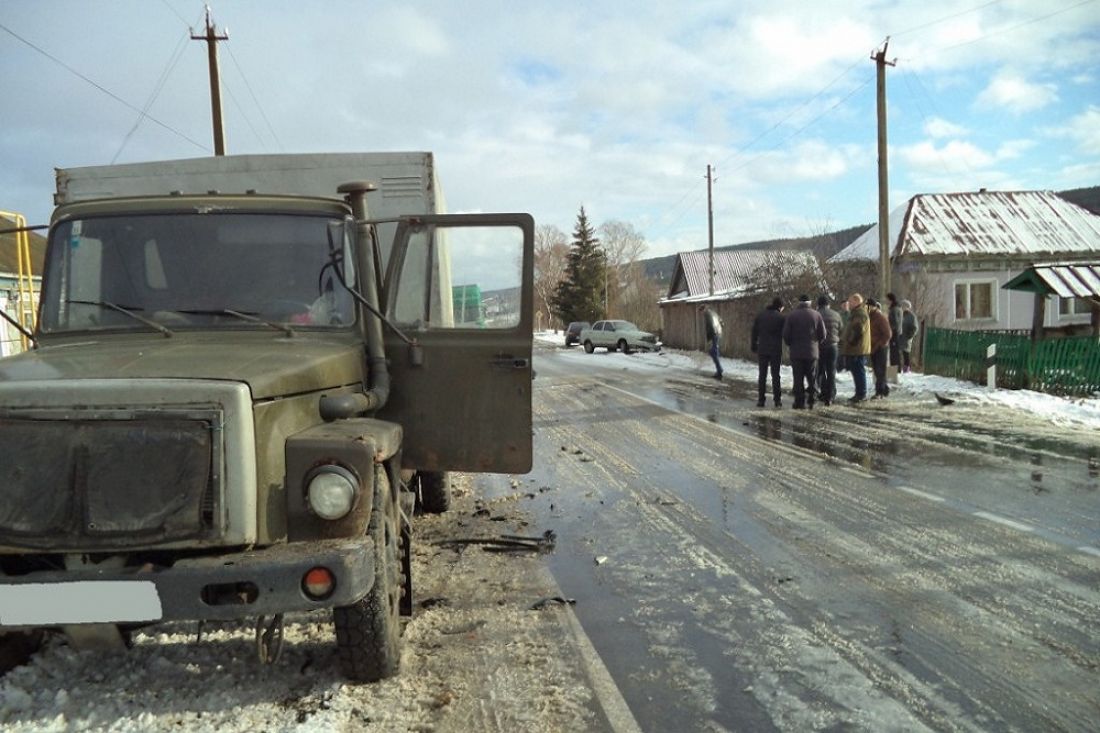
(855, 344)
(713, 325)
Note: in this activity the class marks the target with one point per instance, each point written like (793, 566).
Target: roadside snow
(1061, 411)
(476, 657)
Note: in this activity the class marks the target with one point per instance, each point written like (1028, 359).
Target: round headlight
(331, 492)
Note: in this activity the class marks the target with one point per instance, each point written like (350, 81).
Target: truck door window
(461, 277)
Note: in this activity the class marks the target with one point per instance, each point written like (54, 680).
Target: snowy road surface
(896, 566)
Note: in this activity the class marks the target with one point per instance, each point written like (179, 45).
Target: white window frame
(994, 305)
(1074, 316)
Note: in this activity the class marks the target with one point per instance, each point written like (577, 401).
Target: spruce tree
(579, 296)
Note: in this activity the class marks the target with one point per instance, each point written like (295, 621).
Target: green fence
(1059, 366)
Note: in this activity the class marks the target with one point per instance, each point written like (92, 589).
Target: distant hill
(659, 269)
(824, 246)
(1086, 198)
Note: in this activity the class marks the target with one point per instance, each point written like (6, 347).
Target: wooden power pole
(883, 179)
(710, 231)
(211, 37)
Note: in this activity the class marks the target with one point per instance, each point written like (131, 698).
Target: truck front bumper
(252, 583)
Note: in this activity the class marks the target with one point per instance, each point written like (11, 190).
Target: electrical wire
(240, 70)
(177, 54)
(106, 91)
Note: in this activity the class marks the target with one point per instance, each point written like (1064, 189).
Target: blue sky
(547, 106)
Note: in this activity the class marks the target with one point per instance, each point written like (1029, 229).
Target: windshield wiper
(251, 318)
(127, 311)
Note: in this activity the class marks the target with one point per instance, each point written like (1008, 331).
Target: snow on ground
(1062, 411)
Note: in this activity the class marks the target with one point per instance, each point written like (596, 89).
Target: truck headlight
(331, 491)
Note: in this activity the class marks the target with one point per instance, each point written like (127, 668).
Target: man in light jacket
(713, 325)
(803, 332)
(855, 345)
(881, 337)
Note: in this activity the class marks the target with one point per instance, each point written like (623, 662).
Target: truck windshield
(190, 270)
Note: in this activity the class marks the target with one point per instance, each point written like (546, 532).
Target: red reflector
(318, 583)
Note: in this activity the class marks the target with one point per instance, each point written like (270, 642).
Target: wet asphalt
(893, 566)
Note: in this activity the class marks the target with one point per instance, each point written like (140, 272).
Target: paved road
(895, 566)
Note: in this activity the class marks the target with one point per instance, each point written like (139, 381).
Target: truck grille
(109, 480)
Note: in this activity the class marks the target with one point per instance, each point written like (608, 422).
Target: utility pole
(212, 38)
(710, 231)
(879, 58)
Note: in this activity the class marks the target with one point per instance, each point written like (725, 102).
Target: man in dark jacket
(855, 344)
(881, 336)
(803, 331)
(827, 356)
(767, 344)
(893, 313)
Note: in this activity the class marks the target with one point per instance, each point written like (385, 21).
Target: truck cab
(226, 399)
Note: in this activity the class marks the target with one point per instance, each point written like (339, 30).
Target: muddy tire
(368, 631)
(624, 346)
(588, 347)
(435, 491)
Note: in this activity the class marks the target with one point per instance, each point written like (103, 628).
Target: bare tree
(624, 246)
(551, 258)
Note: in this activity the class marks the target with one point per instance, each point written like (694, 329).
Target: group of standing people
(820, 341)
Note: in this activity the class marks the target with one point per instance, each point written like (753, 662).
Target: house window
(1074, 306)
(974, 301)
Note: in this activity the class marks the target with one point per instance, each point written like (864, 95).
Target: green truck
(234, 397)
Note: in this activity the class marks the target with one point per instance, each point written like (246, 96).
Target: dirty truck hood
(271, 366)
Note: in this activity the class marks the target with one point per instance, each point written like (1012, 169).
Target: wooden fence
(1069, 366)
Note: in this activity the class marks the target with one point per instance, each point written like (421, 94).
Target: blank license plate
(79, 602)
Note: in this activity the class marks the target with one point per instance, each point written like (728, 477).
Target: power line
(172, 61)
(109, 93)
(692, 190)
(945, 18)
(1009, 29)
(248, 86)
(247, 120)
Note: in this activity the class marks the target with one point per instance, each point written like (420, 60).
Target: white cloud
(937, 127)
(955, 156)
(1014, 149)
(1083, 129)
(1016, 94)
(812, 160)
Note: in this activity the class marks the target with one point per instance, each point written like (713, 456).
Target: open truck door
(459, 286)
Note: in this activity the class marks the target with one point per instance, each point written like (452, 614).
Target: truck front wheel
(435, 491)
(368, 631)
(588, 347)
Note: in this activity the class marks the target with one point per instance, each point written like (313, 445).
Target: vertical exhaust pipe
(377, 371)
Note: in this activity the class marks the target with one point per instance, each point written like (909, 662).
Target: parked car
(621, 336)
(573, 332)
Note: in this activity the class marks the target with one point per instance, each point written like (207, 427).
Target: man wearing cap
(803, 331)
(855, 344)
(826, 360)
(767, 344)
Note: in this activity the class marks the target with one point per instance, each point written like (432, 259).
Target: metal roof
(1064, 279)
(983, 223)
(733, 270)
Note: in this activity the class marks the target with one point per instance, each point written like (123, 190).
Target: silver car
(621, 336)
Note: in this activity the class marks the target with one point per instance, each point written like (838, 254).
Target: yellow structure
(27, 308)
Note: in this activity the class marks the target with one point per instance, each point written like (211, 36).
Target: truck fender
(357, 445)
